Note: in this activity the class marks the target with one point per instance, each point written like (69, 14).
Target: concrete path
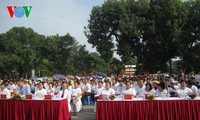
(86, 114)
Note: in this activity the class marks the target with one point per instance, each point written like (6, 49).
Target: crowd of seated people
(77, 90)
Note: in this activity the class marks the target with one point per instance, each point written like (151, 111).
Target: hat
(155, 81)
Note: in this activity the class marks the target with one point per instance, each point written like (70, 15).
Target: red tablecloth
(34, 110)
(148, 110)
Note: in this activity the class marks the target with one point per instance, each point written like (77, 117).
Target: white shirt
(173, 90)
(152, 92)
(11, 87)
(160, 94)
(17, 89)
(76, 91)
(194, 89)
(94, 86)
(50, 91)
(7, 92)
(115, 86)
(185, 91)
(129, 91)
(40, 93)
(108, 92)
(87, 86)
(36, 88)
(121, 88)
(57, 89)
(70, 88)
(139, 90)
(67, 93)
(98, 90)
(46, 86)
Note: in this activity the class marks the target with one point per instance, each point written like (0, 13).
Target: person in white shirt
(191, 85)
(64, 93)
(115, 83)
(128, 90)
(140, 88)
(133, 84)
(184, 91)
(56, 87)
(108, 90)
(5, 91)
(173, 89)
(161, 91)
(41, 92)
(51, 90)
(99, 89)
(75, 102)
(97, 92)
(46, 86)
(120, 87)
(86, 91)
(11, 86)
(148, 89)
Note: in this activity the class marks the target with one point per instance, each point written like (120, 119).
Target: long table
(148, 110)
(34, 110)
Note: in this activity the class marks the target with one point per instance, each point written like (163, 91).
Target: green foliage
(151, 31)
(22, 49)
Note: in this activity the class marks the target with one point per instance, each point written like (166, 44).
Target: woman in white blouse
(108, 90)
(184, 91)
(41, 92)
(161, 91)
(129, 90)
(75, 102)
(51, 90)
(148, 89)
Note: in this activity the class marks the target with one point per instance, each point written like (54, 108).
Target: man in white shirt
(173, 89)
(115, 83)
(120, 87)
(11, 86)
(5, 91)
(65, 94)
(140, 87)
(86, 91)
(99, 89)
(184, 91)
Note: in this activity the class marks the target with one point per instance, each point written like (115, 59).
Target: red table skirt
(34, 110)
(148, 110)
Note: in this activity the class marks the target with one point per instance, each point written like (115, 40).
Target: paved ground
(86, 114)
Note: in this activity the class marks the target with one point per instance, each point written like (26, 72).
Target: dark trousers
(84, 97)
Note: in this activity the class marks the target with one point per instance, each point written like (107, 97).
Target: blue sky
(49, 17)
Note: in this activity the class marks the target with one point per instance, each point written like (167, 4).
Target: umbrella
(70, 76)
(101, 74)
(59, 76)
